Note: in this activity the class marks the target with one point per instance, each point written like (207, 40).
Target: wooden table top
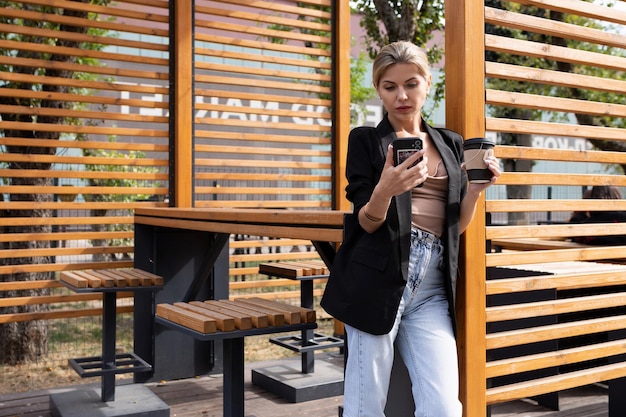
(318, 225)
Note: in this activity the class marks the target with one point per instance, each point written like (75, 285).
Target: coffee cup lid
(477, 142)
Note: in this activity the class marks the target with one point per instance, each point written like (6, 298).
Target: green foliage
(405, 20)
(408, 20)
(359, 92)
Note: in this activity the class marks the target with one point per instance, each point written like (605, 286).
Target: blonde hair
(401, 52)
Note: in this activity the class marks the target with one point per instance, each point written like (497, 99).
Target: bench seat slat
(75, 280)
(224, 323)
(259, 319)
(110, 278)
(307, 315)
(294, 269)
(280, 314)
(187, 318)
(242, 320)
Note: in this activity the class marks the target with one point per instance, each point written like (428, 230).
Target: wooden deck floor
(202, 397)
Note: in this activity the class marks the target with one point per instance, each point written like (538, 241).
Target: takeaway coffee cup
(475, 151)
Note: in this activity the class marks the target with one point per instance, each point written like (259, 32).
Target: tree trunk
(27, 340)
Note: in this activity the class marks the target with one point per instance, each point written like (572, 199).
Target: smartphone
(404, 148)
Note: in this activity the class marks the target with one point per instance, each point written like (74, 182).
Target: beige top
(429, 205)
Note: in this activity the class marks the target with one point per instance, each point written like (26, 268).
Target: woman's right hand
(395, 180)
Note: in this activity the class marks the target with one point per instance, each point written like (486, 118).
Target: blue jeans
(424, 338)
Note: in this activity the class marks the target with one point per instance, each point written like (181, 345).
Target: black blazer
(369, 273)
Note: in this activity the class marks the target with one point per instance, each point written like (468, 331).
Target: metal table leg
(233, 377)
(108, 346)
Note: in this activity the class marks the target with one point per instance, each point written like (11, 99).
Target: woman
(394, 277)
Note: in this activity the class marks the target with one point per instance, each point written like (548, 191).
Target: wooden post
(465, 104)
(341, 100)
(181, 104)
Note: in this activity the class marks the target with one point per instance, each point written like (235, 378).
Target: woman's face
(403, 91)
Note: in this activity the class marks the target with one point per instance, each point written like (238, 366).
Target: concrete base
(286, 379)
(131, 400)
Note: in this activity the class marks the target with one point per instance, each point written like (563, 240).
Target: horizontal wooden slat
(555, 383)
(555, 129)
(597, 11)
(79, 22)
(556, 28)
(263, 19)
(258, 164)
(262, 45)
(278, 85)
(275, 97)
(28, 205)
(257, 57)
(259, 191)
(30, 285)
(207, 22)
(65, 221)
(261, 150)
(92, 8)
(53, 299)
(554, 307)
(18, 237)
(556, 78)
(560, 282)
(527, 363)
(554, 332)
(558, 230)
(254, 177)
(263, 257)
(522, 178)
(82, 190)
(303, 204)
(534, 101)
(82, 114)
(94, 130)
(57, 267)
(296, 8)
(99, 175)
(85, 160)
(523, 152)
(281, 295)
(58, 314)
(552, 52)
(276, 136)
(529, 257)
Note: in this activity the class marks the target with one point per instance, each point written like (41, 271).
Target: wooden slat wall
(263, 130)
(595, 360)
(87, 176)
(261, 86)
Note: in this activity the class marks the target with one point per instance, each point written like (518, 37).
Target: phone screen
(405, 147)
(403, 155)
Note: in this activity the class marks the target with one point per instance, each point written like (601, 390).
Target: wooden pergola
(229, 104)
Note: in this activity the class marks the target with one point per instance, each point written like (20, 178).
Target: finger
(389, 156)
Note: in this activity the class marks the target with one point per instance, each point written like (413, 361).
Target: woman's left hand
(493, 164)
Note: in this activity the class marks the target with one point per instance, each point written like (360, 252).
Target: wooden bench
(110, 282)
(230, 322)
(308, 342)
